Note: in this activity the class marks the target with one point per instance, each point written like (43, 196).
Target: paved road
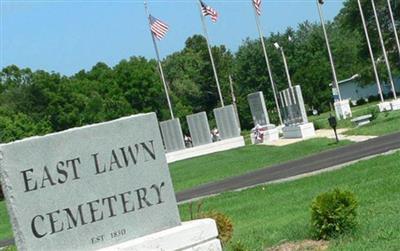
(293, 168)
(297, 167)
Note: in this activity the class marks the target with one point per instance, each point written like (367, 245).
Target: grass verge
(268, 215)
(385, 123)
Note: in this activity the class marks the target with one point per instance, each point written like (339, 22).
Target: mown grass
(218, 166)
(321, 121)
(388, 122)
(268, 215)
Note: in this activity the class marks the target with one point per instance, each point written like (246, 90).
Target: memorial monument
(171, 132)
(99, 187)
(199, 129)
(294, 114)
(261, 119)
(227, 122)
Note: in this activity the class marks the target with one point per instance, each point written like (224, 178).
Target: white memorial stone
(88, 188)
(342, 109)
(385, 106)
(171, 132)
(395, 104)
(227, 123)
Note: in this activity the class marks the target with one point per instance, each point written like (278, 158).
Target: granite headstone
(90, 187)
(199, 129)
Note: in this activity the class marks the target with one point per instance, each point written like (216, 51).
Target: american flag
(257, 5)
(158, 27)
(208, 11)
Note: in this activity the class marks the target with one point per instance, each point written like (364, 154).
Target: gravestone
(199, 129)
(258, 108)
(88, 188)
(172, 135)
(292, 106)
(227, 122)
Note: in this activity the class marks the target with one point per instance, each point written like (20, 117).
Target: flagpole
(394, 26)
(211, 56)
(159, 63)
(268, 65)
(384, 49)
(328, 47)
(371, 53)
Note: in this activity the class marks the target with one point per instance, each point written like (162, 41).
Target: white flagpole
(371, 53)
(335, 81)
(159, 63)
(211, 56)
(268, 65)
(394, 26)
(384, 49)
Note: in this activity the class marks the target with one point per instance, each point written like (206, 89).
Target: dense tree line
(39, 102)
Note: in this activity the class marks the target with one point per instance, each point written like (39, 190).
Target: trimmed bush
(333, 213)
(374, 111)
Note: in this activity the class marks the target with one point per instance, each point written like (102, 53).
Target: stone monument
(97, 186)
(227, 123)
(294, 114)
(199, 129)
(171, 132)
(261, 119)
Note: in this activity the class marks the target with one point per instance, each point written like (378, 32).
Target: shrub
(333, 213)
(319, 124)
(224, 225)
(361, 101)
(374, 111)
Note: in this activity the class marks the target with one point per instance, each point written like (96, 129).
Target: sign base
(384, 106)
(197, 151)
(193, 235)
(395, 104)
(299, 131)
(270, 134)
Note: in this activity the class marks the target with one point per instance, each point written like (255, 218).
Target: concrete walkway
(324, 133)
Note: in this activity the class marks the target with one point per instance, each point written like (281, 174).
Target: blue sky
(67, 36)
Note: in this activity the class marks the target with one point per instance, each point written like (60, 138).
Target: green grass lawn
(194, 172)
(388, 122)
(267, 215)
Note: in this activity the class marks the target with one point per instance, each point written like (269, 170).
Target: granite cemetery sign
(90, 187)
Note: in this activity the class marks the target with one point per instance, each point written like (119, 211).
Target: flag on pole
(208, 11)
(257, 5)
(158, 27)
